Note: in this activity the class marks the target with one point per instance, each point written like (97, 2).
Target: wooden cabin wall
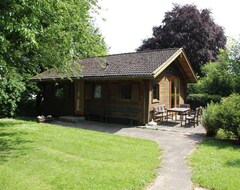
(111, 97)
(58, 99)
(163, 80)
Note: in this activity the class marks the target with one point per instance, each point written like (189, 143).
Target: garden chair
(193, 118)
(184, 106)
(159, 112)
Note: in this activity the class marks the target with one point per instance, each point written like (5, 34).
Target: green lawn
(40, 156)
(216, 165)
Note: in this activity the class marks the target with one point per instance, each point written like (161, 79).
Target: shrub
(229, 115)
(210, 120)
(197, 100)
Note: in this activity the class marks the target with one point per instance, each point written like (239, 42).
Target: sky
(124, 24)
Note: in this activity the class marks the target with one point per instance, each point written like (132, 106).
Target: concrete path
(175, 141)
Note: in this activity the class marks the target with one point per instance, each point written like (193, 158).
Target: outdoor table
(181, 111)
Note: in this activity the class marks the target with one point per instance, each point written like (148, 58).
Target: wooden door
(79, 98)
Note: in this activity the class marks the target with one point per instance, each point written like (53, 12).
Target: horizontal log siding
(57, 106)
(164, 87)
(111, 97)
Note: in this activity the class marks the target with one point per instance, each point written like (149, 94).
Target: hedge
(196, 100)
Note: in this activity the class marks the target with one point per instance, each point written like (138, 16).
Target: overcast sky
(128, 22)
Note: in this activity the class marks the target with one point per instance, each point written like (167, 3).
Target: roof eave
(194, 78)
(125, 77)
(160, 69)
(167, 63)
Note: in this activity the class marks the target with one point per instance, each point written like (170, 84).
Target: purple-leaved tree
(194, 30)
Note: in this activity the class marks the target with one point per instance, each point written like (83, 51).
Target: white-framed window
(97, 91)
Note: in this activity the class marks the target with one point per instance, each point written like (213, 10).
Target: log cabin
(118, 87)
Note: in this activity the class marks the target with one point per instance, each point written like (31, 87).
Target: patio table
(181, 111)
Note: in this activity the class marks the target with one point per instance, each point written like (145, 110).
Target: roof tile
(128, 64)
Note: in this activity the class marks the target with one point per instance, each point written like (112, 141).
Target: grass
(40, 156)
(216, 164)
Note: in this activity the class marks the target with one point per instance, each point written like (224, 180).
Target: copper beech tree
(194, 30)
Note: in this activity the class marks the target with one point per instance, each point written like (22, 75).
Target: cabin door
(174, 92)
(79, 98)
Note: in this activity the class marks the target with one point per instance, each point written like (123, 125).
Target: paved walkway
(176, 142)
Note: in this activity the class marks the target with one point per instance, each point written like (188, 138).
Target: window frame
(123, 90)
(99, 93)
(177, 91)
(61, 89)
(155, 91)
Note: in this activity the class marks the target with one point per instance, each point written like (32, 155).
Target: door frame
(79, 85)
(175, 92)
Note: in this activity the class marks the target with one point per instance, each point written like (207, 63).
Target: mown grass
(216, 165)
(40, 156)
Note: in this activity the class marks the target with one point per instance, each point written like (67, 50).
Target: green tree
(221, 77)
(217, 80)
(231, 58)
(11, 88)
(194, 30)
(37, 35)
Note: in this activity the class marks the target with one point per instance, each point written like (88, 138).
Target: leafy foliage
(221, 77)
(217, 79)
(190, 28)
(11, 88)
(224, 116)
(210, 119)
(196, 100)
(229, 115)
(38, 35)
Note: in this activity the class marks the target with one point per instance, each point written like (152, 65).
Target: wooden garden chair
(193, 118)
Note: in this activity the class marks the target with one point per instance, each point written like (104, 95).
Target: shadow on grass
(93, 126)
(12, 143)
(227, 144)
(233, 163)
(221, 143)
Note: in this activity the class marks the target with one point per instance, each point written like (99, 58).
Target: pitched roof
(133, 65)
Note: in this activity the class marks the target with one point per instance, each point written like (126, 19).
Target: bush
(197, 100)
(229, 115)
(224, 116)
(210, 120)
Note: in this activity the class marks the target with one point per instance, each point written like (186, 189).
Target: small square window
(97, 92)
(59, 92)
(126, 92)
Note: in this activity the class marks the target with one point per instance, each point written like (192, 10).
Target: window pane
(79, 106)
(59, 92)
(97, 91)
(156, 91)
(172, 93)
(78, 90)
(177, 93)
(126, 92)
